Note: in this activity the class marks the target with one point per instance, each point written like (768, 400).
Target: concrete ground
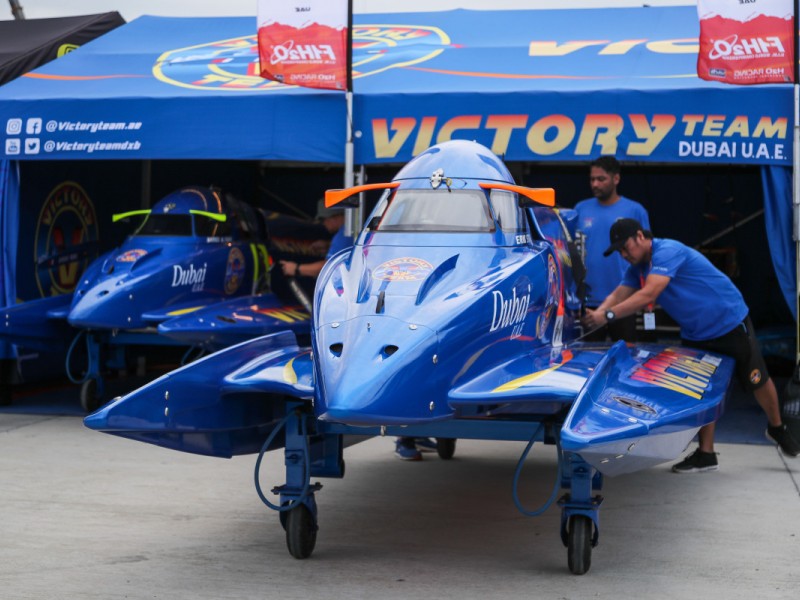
(87, 515)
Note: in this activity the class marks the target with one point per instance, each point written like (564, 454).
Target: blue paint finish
(196, 267)
(467, 326)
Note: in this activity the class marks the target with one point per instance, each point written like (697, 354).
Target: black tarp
(27, 44)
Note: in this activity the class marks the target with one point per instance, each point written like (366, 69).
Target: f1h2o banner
(305, 43)
(746, 41)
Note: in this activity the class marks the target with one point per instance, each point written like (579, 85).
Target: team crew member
(333, 220)
(710, 311)
(595, 218)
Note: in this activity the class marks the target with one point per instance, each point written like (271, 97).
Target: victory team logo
(233, 64)
(234, 271)
(406, 268)
(66, 236)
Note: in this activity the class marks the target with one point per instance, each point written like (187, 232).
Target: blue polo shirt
(603, 273)
(339, 242)
(701, 299)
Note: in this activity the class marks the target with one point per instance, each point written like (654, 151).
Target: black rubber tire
(301, 532)
(579, 544)
(7, 375)
(446, 448)
(6, 395)
(90, 400)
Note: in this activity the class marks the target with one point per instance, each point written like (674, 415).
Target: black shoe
(697, 462)
(783, 437)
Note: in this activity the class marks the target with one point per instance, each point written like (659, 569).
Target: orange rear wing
(543, 196)
(345, 197)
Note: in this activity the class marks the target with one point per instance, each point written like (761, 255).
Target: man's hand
(594, 318)
(289, 268)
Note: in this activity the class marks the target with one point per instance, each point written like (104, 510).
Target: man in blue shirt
(710, 311)
(333, 220)
(595, 218)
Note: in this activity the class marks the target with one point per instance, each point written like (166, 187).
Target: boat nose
(374, 379)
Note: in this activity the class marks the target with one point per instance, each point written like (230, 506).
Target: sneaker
(697, 462)
(425, 444)
(405, 449)
(783, 437)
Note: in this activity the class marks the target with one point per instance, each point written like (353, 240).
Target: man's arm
(625, 301)
(620, 293)
(653, 286)
(597, 317)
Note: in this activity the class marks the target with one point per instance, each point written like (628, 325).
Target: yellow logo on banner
(65, 49)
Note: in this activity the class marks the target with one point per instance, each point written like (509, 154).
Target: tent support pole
(352, 220)
(16, 10)
(796, 212)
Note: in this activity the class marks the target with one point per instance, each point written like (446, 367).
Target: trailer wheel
(90, 399)
(301, 531)
(579, 544)
(445, 448)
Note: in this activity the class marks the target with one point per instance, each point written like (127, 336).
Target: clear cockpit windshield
(167, 224)
(436, 210)
(181, 225)
(456, 211)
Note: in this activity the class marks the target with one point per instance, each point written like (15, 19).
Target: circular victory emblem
(234, 271)
(130, 256)
(403, 269)
(232, 64)
(66, 238)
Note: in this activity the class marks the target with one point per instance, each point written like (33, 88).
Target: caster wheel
(6, 397)
(90, 400)
(301, 531)
(579, 544)
(445, 448)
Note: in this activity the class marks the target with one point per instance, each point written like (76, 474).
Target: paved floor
(86, 515)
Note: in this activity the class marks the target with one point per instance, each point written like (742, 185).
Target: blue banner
(539, 85)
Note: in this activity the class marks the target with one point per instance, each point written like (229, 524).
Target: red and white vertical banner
(746, 42)
(304, 43)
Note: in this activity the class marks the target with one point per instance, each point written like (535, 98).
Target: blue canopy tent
(535, 86)
(24, 45)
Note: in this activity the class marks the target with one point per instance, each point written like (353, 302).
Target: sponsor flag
(305, 43)
(746, 42)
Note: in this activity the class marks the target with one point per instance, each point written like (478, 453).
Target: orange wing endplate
(543, 196)
(334, 197)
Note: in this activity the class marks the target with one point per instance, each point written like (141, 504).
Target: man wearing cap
(595, 217)
(710, 311)
(333, 219)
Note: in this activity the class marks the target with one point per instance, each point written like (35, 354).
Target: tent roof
(533, 85)
(29, 43)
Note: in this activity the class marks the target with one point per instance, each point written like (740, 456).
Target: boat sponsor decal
(289, 373)
(561, 249)
(184, 311)
(406, 268)
(544, 318)
(287, 314)
(196, 278)
(564, 355)
(234, 271)
(130, 256)
(674, 370)
(523, 239)
(510, 312)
